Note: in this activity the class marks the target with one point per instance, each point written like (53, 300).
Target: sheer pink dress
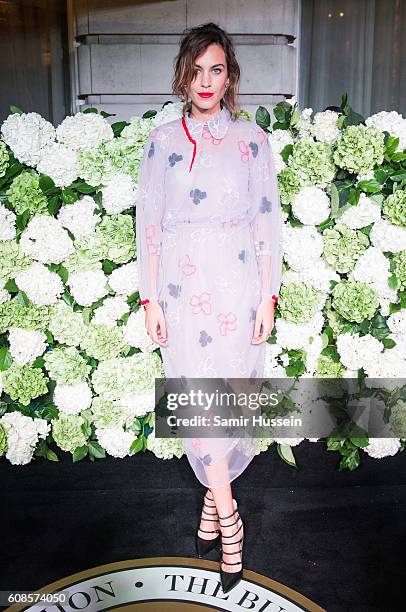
(209, 246)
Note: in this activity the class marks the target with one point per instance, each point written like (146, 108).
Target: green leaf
(39, 362)
(286, 453)
(49, 336)
(15, 109)
(118, 127)
(105, 114)
(53, 204)
(108, 266)
(79, 453)
(96, 450)
(388, 343)
(5, 359)
(370, 186)
(11, 286)
(22, 220)
(51, 456)
(91, 109)
(68, 196)
(137, 445)
(22, 298)
(46, 183)
(263, 118)
(393, 282)
(83, 187)
(148, 114)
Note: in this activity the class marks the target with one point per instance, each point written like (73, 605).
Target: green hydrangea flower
(89, 251)
(66, 365)
(394, 208)
(24, 383)
(313, 163)
(400, 268)
(354, 300)
(335, 321)
(67, 431)
(12, 259)
(3, 440)
(103, 342)
(118, 236)
(126, 155)
(94, 164)
(4, 158)
(109, 413)
(289, 185)
(245, 115)
(25, 193)
(359, 149)
(28, 316)
(67, 326)
(343, 247)
(143, 369)
(327, 368)
(298, 302)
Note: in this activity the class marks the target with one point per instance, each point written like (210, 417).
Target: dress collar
(217, 125)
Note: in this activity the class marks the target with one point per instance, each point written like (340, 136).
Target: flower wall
(77, 367)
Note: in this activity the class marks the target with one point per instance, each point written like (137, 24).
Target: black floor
(336, 537)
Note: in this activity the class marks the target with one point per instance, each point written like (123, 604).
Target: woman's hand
(264, 316)
(155, 323)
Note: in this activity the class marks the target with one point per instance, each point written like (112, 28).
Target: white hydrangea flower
(7, 223)
(271, 366)
(397, 322)
(293, 336)
(23, 433)
(311, 205)
(388, 366)
(373, 268)
(165, 448)
(119, 194)
(115, 440)
(325, 127)
(42, 286)
(289, 441)
(27, 134)
(79, 217)
(111, 311)
(135, 333)
(313, 350)
(302, 246)
(366, 176)
(304, 123)
(168, 113)
(26, 344)
(392, 122)
(72, 399)
(364, 213)
(124, 279)
(388, 237)
(400, 348)
(382, 447)
(358, 351)
(4, 295)
(278, 139)
(60, 163)
(139, 403)
(84, 131)
(318, 276)
(45, 240)
(88, 287)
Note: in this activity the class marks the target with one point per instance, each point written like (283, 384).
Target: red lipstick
(205, 94)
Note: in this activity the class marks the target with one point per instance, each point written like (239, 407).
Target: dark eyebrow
(215, 65)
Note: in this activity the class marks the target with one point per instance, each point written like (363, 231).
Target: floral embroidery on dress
(227, 322)
(201, 303)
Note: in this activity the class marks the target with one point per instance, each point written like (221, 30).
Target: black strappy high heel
(204, 546)
(230, 579)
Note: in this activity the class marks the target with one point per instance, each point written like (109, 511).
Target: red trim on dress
(191, 140)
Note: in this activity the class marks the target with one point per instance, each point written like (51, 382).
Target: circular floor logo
(166, 584)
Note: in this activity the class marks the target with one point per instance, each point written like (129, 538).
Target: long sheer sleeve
(266, 221)
(149, 213)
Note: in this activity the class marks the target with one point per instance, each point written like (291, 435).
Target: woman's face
(211, 77)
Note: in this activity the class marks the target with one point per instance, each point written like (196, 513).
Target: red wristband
(143, 302)
(274, 299)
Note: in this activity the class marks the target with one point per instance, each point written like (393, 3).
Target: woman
(209, 259)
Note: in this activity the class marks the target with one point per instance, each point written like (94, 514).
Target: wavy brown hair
(195, 41)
